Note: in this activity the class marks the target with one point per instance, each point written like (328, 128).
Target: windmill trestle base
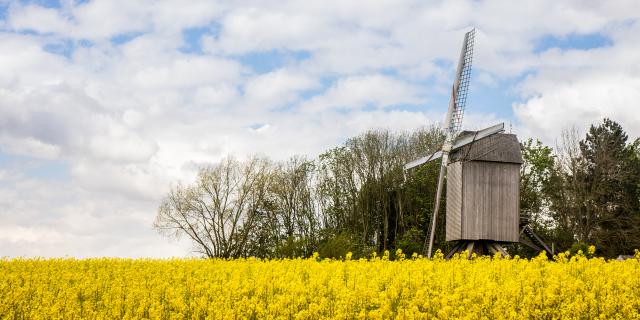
(479, 247)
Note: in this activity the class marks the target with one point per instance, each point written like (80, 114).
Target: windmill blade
(422, 160)
(481, 134)
(461, 84)
(459, 143)
(453, 120)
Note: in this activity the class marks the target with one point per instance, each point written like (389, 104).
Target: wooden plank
(490, 205)
(457, 248)
(454, 201)
(470, 249)
(498, 248)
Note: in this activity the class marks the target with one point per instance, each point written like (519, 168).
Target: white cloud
(129, 119)
(581, 102)
(361, 91)
(50, 219)
(581, 87)
(30, 146)
(258, 29)
(187, 72)
(19, 234)
(38, 19)
(270, 90)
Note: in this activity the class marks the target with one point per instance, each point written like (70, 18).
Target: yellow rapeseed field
(412, 288)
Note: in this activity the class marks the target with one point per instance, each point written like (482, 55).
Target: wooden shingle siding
(498, 147)
(490, 206)
(483, 190)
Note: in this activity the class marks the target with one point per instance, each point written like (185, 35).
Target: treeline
(357, 198)
(587, 191)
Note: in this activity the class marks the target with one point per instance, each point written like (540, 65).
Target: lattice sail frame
(459, 92)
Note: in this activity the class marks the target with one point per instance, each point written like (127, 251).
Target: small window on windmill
(483, 189)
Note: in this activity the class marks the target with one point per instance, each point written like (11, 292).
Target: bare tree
(220, 210)
(291, 196)
(570, 195)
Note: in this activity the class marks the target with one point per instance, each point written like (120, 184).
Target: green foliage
(611, 180)
(338, 246)
(292, 247)
(412, 241)
(364, 191)
(535, 175)
(594, 192)
(357, 198)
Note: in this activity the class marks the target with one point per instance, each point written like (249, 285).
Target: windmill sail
(453, 120)
(460, 88)
(459, 143)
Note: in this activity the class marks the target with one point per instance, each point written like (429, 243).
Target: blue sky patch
(125, 37)
(43, 3)
(266, 61)
(4, 7)
(66, 47)
(572, 41)
(256, 126)
(30, 167)
(325, 83)
(49, 170)
(495, 100)
(193, 37)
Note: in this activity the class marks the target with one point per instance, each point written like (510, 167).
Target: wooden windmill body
(483, 194)
(483, 179)
(483, 190)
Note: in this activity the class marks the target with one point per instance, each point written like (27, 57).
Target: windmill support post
(453, 120)
(479, 247)
(437, 205)
(536, 242)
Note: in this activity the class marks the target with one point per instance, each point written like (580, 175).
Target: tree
(567, 190)
(366, 198)
(357, 197)
(536, 174)
(595, 196)
(611, 178)
(293, 206)
(221, 210)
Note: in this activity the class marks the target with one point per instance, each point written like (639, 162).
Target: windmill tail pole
(445, 159)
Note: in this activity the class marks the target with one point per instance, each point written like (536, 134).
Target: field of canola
(314, 288)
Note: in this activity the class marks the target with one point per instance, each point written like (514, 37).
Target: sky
(104, 105)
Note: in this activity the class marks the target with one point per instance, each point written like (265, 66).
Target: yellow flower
(420, 288)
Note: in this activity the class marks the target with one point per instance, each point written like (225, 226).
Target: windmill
(483, 196)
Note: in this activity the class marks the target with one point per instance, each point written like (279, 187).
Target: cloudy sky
(105, 104)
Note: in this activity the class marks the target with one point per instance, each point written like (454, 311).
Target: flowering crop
(314, 288)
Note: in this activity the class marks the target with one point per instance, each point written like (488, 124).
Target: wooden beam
(470, 248)
(500, 249)
(530, 245)
(455, 249)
